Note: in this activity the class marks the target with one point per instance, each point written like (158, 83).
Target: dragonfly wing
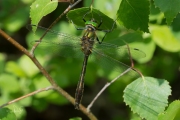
(119, 52)
(58, 43)
(110, 64)
(65, 50)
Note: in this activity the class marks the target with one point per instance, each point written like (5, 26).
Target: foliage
(40, 9)
(171, 112)
(152, 27)
(7, 114)
(97, 15)
(147, 97)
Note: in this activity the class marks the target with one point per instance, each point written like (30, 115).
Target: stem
(104, 88)
(25, 96)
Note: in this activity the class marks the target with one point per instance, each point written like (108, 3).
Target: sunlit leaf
(13, 67)
(76, 118)
(147, 46)
(171, 111)
(163, 37)
(41, 8)
(28, 66)
(18, 110)
(147, 97)
(6, 82)
(7, 114)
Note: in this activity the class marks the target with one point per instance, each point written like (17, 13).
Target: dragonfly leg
(77, 27)
(85, 15)
(98, 40)
(100, 21)
(106, 31)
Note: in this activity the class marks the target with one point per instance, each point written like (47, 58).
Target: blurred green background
(19, 76)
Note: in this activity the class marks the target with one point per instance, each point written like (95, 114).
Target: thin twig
(25, 96)
(104, 88)
(132, 63)
(57, 19)
(130, 57)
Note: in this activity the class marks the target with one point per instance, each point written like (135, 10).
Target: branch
(25, 96)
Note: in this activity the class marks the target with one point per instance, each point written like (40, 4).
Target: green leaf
(2, 62)
(26, 101)
(6, 82)
(76, 118)
(7, 114)
(13, 24)
(41, 82)
(147, 46)
(171, 111)
(135, 40)
(41, 8)
(18, 110)
(28, 66)
(170, 8)
(55, 98)
(133, 14)
(147, 97)
(163, 37)
(39, 102)
(109, 7)
(13, 68)
(128, 38)
(76, 16)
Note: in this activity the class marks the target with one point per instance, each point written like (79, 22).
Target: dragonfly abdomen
(80, 86)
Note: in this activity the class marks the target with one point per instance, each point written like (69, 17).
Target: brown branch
(25, 96)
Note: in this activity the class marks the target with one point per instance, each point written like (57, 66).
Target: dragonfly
(85, 47)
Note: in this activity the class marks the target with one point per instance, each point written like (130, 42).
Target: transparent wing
(108, 56)
(119, 52)
(110, 64)
(57, 43)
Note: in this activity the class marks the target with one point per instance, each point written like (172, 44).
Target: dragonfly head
(92, 23)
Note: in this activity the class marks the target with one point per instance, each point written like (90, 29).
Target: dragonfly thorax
(87, 42)
(90, 28)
